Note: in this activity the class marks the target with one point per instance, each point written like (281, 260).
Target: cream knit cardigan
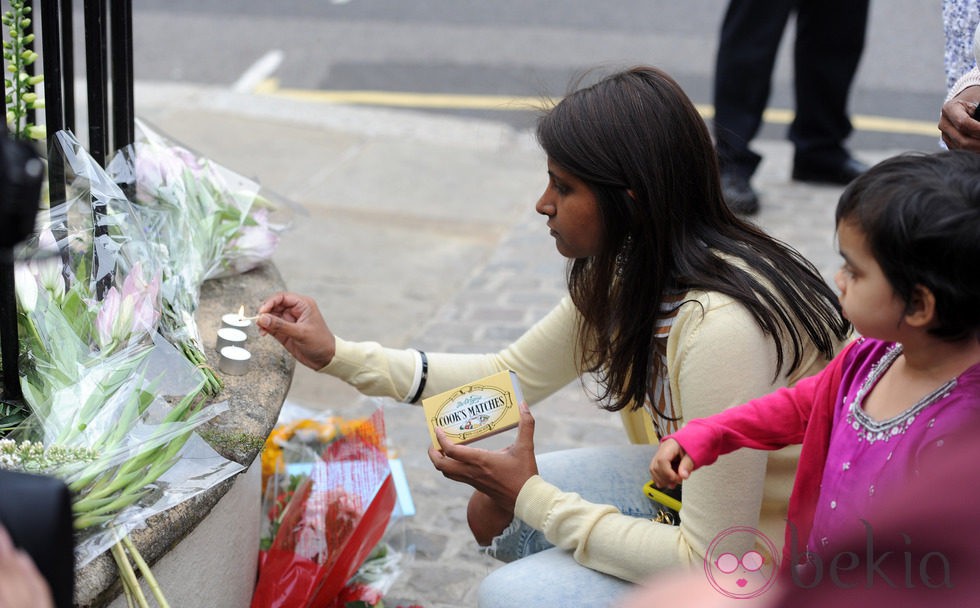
(718, 357)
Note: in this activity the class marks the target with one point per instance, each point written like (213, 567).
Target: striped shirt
(659, 404)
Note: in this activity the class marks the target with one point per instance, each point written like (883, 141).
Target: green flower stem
(139, 461)
(130, 466)
(212, 384)
(120, 373)
(128, 576)
(177, 414)
(107, 487)
(87, 516)
(96, 504)
(188, 403)
(138, 479)
(134, 407)
(97, 473)
(146, 572)
(83, 522)
(130, 484)
(33, 335)
(119, 481)
(121, 502)
(87, 477)
(18, 55)
(129, 597)
(101, 483)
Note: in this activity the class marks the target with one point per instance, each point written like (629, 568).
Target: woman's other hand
(670, 465)
(295, 321)
(500, 475)
(960, 131)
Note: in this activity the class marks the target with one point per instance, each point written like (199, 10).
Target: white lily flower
(51, 280)
(25, 286)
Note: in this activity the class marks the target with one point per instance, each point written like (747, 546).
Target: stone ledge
(239, 434)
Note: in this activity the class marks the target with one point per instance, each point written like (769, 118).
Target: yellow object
(666, 500)
(320, 432)
(475, 410)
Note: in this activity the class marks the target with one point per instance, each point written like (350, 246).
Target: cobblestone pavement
(416, 230)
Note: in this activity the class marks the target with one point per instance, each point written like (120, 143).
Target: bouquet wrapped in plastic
(207, 222)
(329, 496)
(111, 404)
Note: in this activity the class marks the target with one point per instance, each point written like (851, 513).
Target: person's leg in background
(830, 38)
(747, 48)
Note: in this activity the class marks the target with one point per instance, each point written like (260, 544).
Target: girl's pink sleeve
(767, 423)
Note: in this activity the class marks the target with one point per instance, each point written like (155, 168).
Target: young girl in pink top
(909, 233)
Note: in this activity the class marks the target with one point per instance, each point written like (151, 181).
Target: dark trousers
(829, 42)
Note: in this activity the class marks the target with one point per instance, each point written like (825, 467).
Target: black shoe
(841, 174)
(739, 195)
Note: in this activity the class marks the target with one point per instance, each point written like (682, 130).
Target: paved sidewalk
(419, 230)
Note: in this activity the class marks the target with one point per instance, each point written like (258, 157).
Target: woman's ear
(921, 310)
(631, 194)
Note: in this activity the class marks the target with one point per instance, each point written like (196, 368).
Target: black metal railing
(108, 73)
(108, 36)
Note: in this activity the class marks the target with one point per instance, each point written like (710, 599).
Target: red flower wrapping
(329, 525)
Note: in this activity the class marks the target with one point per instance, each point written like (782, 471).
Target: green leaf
(12, 420)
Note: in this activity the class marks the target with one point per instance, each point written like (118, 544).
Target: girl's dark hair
(639, 143)
(920, 214)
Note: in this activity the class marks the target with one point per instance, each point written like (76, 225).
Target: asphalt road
(474, 58)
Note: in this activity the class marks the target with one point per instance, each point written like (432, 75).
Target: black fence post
(55, 95)
(68, 62)
(8, 328)
(97, 79)
(123, 107)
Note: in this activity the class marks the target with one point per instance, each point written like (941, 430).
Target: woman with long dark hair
(677, 307)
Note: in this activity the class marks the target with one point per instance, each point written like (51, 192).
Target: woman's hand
(499, 475)
(296, 322)
(960, 131)
(670, 465)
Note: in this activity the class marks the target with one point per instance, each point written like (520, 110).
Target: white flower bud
(26, 289)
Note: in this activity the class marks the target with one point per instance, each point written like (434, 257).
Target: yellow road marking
(506, 103)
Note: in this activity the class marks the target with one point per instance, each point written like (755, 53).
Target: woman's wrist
(419, 378)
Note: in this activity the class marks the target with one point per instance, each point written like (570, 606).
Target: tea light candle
(233, 360)
(229, 336)
(236, 321)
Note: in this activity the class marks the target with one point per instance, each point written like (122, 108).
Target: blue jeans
(539, 574)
